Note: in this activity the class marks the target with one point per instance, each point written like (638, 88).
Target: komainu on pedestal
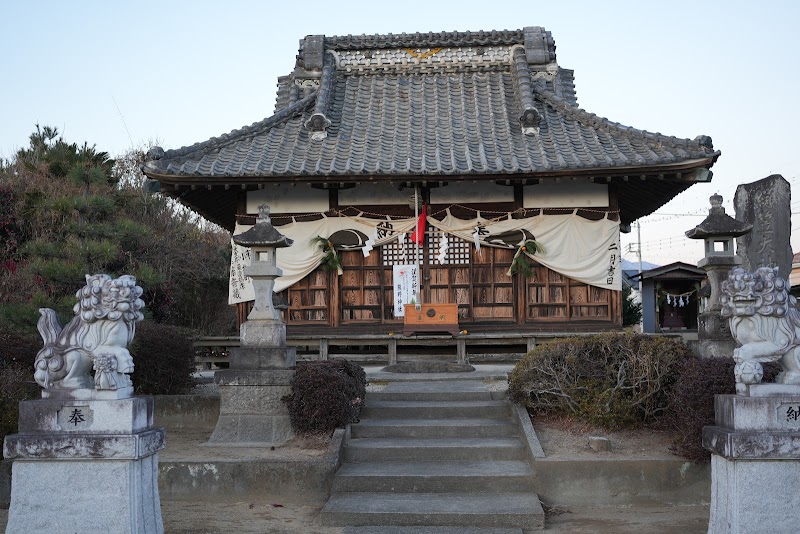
(755, 442)
(97, 337)
(764, 319)
(88, 444)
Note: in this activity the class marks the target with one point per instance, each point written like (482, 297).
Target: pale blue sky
(120, 74)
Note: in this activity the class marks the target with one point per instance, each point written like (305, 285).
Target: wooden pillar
(531, 343)
(323, 349)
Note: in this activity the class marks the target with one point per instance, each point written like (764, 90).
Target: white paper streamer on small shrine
(679, 300)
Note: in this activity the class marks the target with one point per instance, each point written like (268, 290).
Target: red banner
(418, 235)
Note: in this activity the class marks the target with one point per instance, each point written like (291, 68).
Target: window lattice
(458, 251)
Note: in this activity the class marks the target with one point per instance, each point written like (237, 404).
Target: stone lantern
(263, 327)
(718, 231)
(251, 410)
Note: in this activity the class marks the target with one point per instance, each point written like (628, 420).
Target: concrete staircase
(435, 457)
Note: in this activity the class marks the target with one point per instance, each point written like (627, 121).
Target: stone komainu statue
(97, 337)
(764, 319)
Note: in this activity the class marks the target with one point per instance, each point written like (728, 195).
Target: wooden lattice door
(551, 296)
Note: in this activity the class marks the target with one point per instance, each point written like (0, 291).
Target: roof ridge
(595, 121)
(245, 131)
(425, 39)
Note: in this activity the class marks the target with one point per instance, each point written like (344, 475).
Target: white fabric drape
(587, 251)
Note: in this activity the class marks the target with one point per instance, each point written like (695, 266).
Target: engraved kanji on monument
(766, 204)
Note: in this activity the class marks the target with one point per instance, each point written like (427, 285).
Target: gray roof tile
(452, 107)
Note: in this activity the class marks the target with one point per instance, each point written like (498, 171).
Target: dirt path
(563, 438)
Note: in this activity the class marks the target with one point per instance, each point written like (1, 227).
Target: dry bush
(613, 380)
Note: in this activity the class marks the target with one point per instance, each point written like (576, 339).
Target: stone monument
(718, 230)
(85, 457)
(755, 443)
(251, 411)
(766, 204)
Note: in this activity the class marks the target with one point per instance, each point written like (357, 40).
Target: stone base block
(53, 497)
(251, 410)
(88, 393)
(124, 416)
(244, 377)
(749, 496)
(755, 464)
(251, 430)
(263, 334)
(715, 348)
(262, 357)
(752, 444)
(75, 446)
(761, 413)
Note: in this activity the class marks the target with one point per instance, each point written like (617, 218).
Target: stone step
(432, 428)
(413, 395)
(507, 510)
(431, 450)
(436, 410)
(435, 477)
(429, 530)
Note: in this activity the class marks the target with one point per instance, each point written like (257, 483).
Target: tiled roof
(401, 124)
(440, 104)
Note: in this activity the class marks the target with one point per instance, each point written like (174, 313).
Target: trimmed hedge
(17, 354)
(613, 379)
(163, 357)
(325, 395)
(691, 401)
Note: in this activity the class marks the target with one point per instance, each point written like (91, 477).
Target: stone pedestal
(85, 465)
(755, 462)
(713, 333)
(251, 412)
(714, 336)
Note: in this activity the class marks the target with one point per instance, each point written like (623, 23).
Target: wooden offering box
(431, 318)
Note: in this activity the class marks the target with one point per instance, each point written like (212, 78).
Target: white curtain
(587, 251)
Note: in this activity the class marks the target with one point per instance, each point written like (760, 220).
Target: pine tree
(71, 222)
(70, 210)
(631, 310)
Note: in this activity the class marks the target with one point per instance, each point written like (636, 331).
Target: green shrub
(613, 380)
(163, 356)
(325, 395)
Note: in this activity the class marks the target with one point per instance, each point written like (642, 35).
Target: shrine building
(435, 168)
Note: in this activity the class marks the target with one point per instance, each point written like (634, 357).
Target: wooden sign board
(431, 318)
